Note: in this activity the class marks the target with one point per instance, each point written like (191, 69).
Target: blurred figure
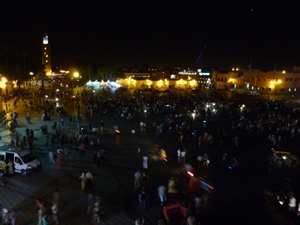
(12, 217)
(89, 180)
(58, 162)
(82, 179)
(137, 179)
(90, 202)
(292, 203)
(145, 162)
(172, 186)
(162, 194)
(205, 159)
(139, 221)
(143, 200)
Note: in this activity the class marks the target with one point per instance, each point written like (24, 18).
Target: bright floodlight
(76, 74)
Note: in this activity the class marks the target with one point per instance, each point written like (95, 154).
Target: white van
(23, 161)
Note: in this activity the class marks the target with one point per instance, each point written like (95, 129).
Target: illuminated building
(256, 80)
(46, 55)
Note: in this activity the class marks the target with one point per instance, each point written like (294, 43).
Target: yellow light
(4, 79)
(160, 83)
(283, 71)
(272, 84)
(76, 74)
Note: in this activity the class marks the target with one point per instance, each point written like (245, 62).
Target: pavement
(20, 192)
(236, 192)
(113, 179)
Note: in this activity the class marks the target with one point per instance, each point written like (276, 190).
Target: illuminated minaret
(46, 55)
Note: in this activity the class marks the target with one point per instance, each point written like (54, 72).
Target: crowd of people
(278, 121)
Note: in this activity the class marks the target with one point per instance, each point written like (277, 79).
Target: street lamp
(76, 74)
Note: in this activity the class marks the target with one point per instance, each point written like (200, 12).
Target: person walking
(58, 162)
(51, 157)
(144, 179)
(143, 199)
(145, 162)
(98, 158)
(179, 155)
(96, 210)
(44, 219)
(54, 210)
(89, 180)
(82, 148)
(137, 179)
(183, 155)
(90, 202)
(139, 221)
(205, 159)
(292, 203)
(12, 217)
(10, 167)
(82, 179)
(162, 194)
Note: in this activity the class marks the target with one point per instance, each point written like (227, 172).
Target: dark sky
(161, 33)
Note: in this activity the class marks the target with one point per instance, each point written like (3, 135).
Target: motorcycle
(163, 156)
(161, 153)
(116, 129)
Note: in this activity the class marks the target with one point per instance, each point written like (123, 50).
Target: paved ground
(20, 192)
(236, 194)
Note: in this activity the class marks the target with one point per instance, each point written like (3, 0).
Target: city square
(113, 178)
(145, 113)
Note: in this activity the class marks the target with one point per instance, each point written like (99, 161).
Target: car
(286, 158)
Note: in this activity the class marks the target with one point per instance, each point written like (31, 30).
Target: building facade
(269, 81)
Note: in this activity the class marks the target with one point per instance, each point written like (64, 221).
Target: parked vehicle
(23, 161)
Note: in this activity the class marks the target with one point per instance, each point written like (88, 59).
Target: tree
(105, 72)
(90, 71)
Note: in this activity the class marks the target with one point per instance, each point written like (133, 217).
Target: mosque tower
(46, 55)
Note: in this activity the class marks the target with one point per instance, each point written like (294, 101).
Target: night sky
(162, 33)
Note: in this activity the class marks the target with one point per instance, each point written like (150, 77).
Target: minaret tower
(46, 55)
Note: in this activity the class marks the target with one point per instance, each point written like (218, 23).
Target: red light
(190, 173)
